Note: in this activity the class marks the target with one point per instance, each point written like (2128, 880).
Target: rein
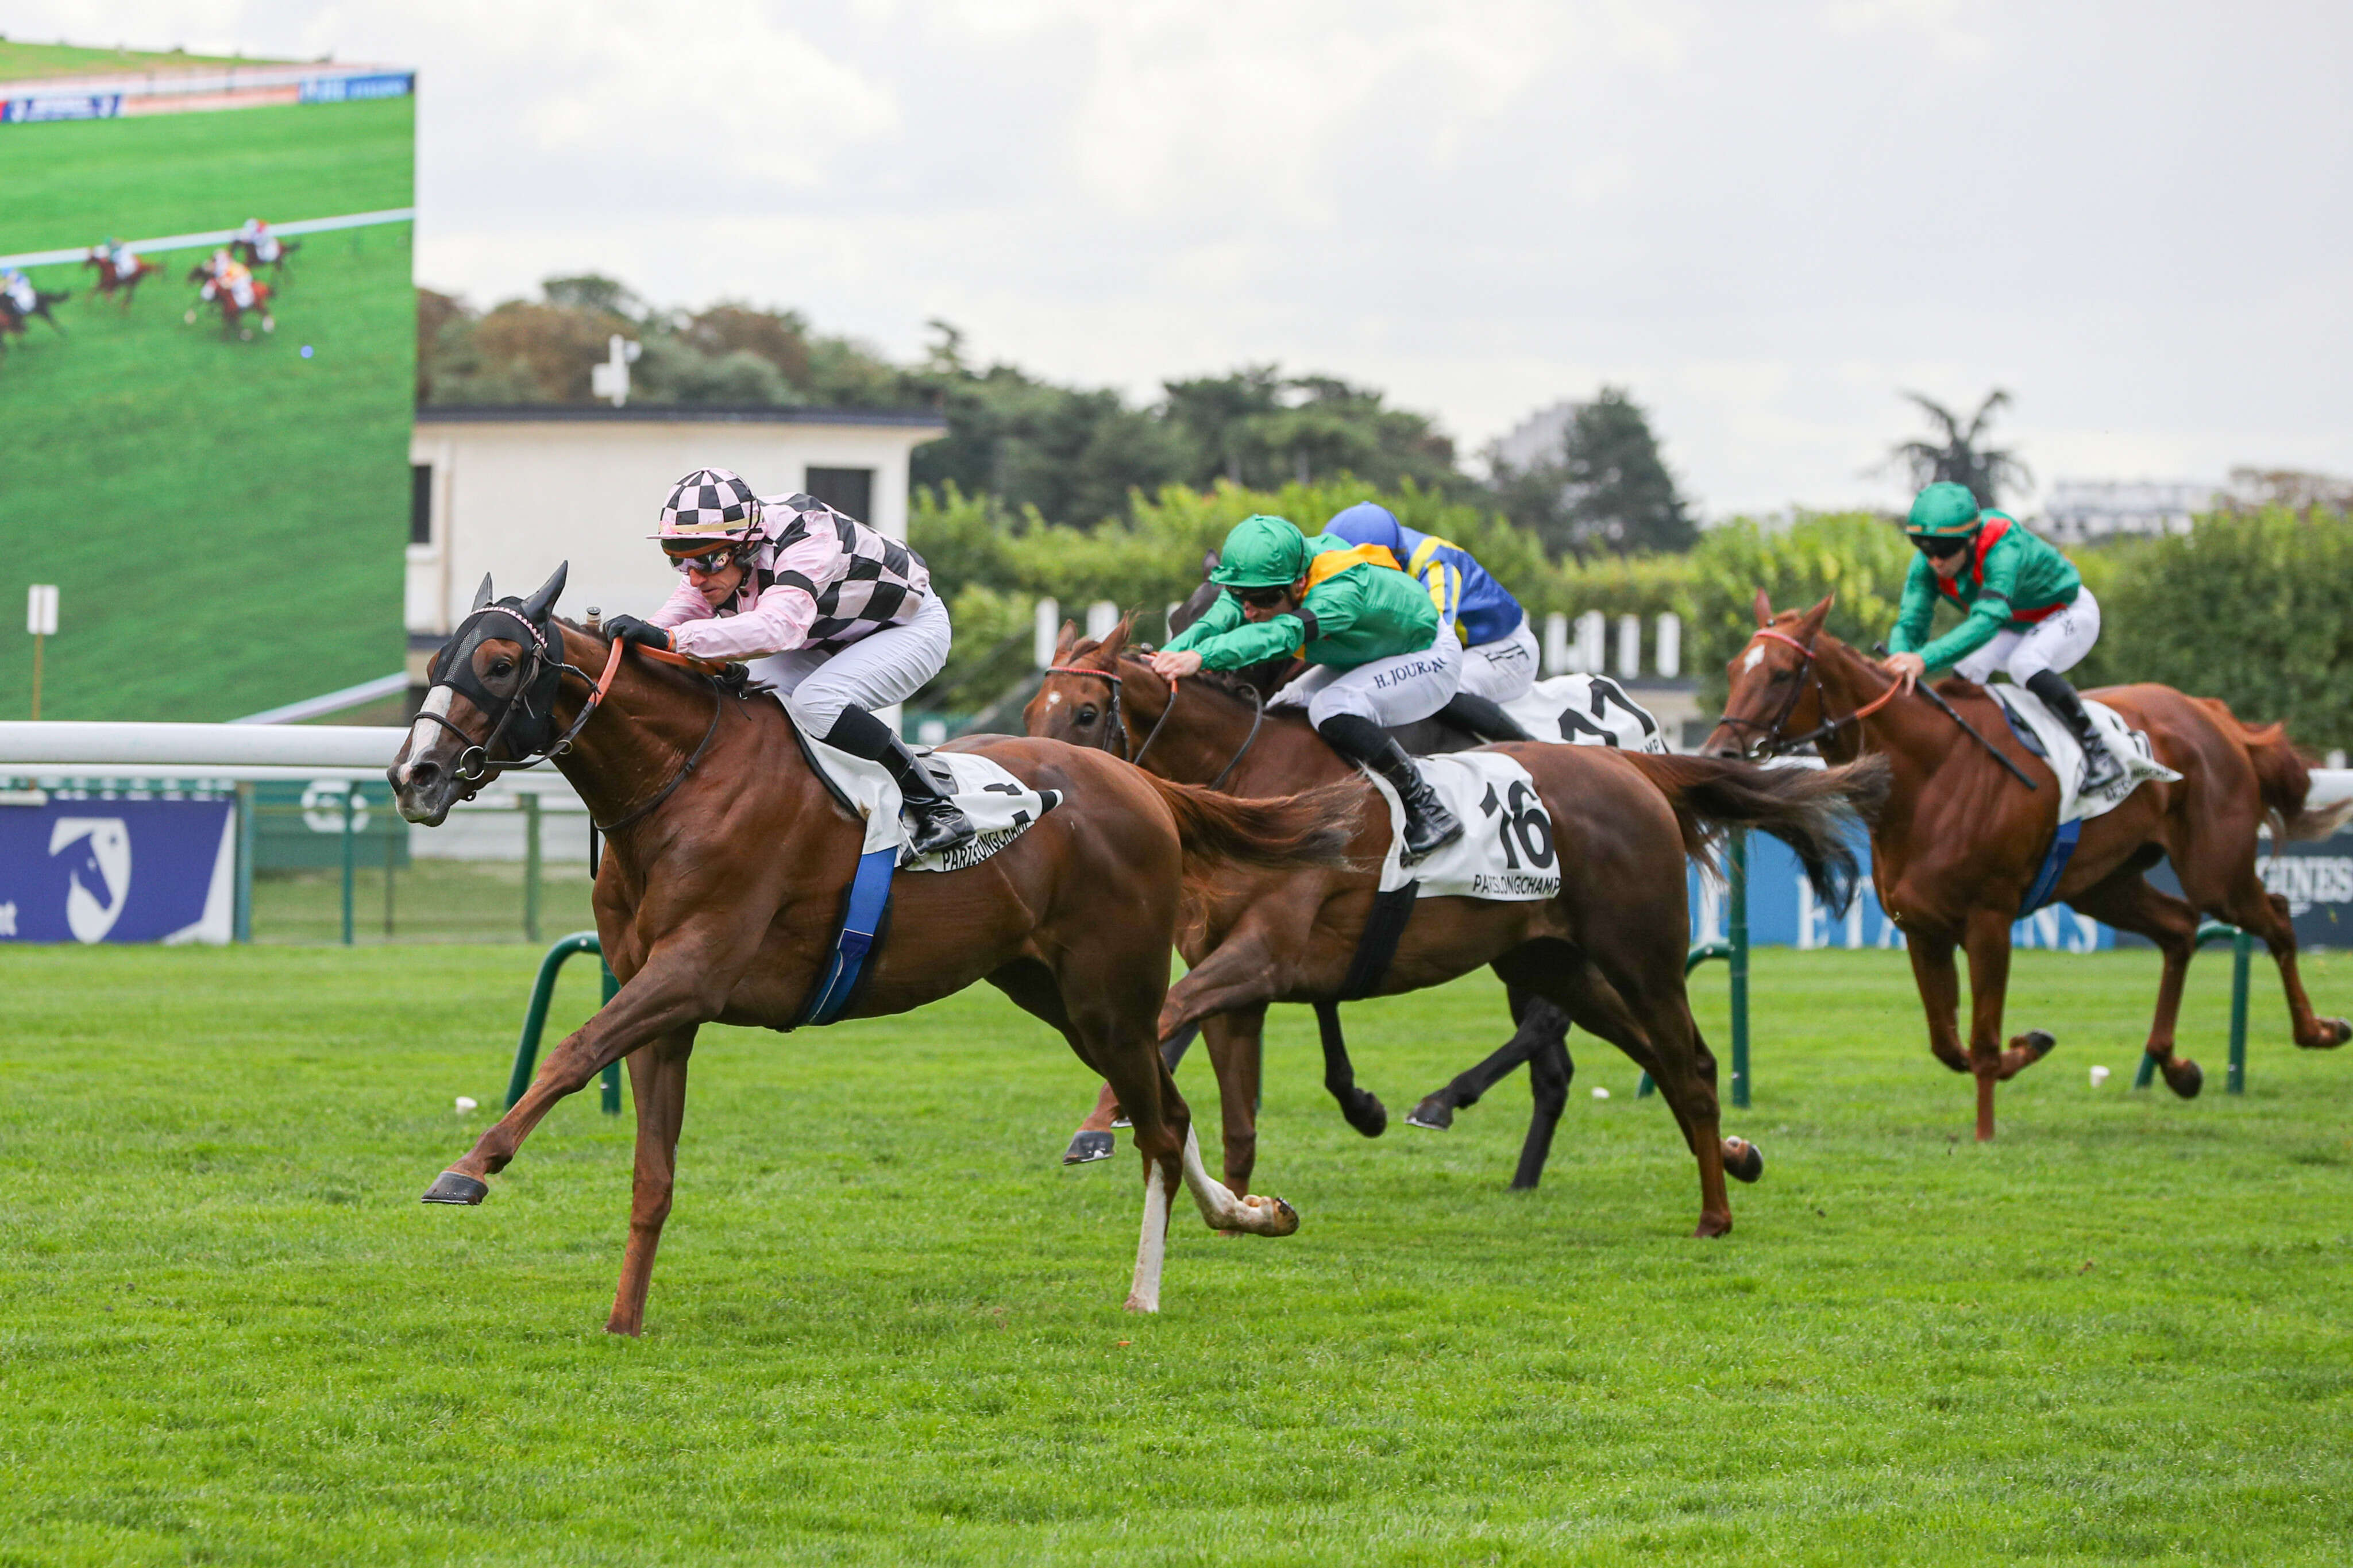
(1771, 740)
(476, 766)
(1118, 724)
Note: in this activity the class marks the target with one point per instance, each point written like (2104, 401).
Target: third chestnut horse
(1962, 839)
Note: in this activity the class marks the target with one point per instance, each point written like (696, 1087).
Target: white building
(2076, 510)
(512, 490)
(1535, 441)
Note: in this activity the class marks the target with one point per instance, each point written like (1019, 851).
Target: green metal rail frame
(534, 1020)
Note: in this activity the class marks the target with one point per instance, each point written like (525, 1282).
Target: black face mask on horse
(523, 714)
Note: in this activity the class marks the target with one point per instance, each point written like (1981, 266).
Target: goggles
(1941, 545)
(706, 561)
(1261, 598)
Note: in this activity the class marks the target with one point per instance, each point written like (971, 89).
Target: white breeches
(877, 670)
(1389, 691)
(1502, 671)
(2057, 643)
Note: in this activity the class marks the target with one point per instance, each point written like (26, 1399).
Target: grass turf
(181, 486)
(886, 1327)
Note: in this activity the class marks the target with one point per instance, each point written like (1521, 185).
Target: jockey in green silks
(1369, 633)
(2026, 611)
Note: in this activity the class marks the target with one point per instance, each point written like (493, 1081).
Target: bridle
(534, 697)
(1117, 724)
(1770, 740)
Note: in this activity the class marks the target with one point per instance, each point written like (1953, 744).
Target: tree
(1608, 489)
(1959, 455)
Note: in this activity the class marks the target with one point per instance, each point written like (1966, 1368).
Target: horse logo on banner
(104, 844)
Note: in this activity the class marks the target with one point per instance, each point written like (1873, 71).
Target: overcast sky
(1763, 219)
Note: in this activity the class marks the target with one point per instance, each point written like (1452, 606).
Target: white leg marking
(1144, 1296)
(422, 733)
(1223, 1210)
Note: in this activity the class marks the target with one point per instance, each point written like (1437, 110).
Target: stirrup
(1425, 818)
(937, 826)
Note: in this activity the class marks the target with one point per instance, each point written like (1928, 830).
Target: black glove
(628, 628)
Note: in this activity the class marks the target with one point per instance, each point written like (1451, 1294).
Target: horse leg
(1093, 1141)
(2250, 907)
(685, 981)
(1987, 941)
(2127, 903)
(1637, 1003)
(1939, 985)
(1363, 1108)
(1237, 1048)
(1535, 1020)
(1549, 1071)
(658, 1084)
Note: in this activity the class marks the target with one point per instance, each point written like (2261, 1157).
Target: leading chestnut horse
(727, 868)
(1607, 949)
(1961, 841)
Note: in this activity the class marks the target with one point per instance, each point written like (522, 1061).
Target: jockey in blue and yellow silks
(1499, 646)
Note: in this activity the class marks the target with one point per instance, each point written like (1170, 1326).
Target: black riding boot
(2101, 768)
(933, 821)
(1427, 822)
(1483, 717)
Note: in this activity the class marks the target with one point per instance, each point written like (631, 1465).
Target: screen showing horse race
(207, 350)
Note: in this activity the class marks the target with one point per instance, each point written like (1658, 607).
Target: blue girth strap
(862, 921)
(2054, 866)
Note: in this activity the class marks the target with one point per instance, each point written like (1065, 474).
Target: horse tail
(1809, 809)
(2282, 775)
(1284, 833)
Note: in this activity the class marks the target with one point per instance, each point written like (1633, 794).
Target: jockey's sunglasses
(1941, 547)
(707, 562)
(1262, 598)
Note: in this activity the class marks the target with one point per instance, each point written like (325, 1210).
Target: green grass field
(224, 519)
(23, 61)
(886, 1325)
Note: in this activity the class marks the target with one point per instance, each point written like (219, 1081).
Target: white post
(611, 379)
(1591, 627)
(41, 621)
(1101, 616)
(1630, 646)
(1047, 631)
(1556, 644)
(1667, 658)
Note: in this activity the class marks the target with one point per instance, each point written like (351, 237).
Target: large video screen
(207, 454)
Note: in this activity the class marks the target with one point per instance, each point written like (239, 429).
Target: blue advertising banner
(61, 106)
(1784, 913)
(117, 871)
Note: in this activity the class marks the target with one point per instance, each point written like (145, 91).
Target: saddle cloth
(2039, 729)
(1000, 805)
(1506, 849)
(1586, 711)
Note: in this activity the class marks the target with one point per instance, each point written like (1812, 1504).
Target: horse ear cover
(535, 608)
(482, 593)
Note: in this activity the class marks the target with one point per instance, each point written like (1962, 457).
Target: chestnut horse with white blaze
(728, 865)
(1961, 841)
(1607, 949)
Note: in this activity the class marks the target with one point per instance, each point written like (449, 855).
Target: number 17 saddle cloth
(1507, 850)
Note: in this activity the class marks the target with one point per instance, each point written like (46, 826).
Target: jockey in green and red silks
(2025, 610)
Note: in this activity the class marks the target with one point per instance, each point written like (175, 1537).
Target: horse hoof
(1087, 1148)
(1367, 1115)
(1432, 1115)
(451, 1187)
(1747, 1165)
(1281, 1218)
(2333, 1032)
(2184, 1078)
(2037, 1043)
(1712, 1225)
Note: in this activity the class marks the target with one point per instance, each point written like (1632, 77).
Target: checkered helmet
(711, 504)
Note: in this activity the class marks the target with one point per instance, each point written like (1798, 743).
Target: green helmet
(1262, 551)
(1944, 509)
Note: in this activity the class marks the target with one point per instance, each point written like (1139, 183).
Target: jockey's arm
(1917, 611)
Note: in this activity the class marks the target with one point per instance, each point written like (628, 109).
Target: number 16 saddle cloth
(1507, 850)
